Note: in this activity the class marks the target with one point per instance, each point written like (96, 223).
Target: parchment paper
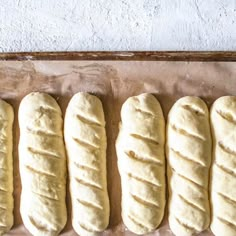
(113, 82)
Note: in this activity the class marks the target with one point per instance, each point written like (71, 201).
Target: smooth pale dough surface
(42, 165)
(85, 138)
(141, 163)
(223, 176)
(188, 151)
(6, 167)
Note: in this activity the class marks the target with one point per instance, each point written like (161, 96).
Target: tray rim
(122, 56)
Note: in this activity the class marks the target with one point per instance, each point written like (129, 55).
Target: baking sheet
(113, 82)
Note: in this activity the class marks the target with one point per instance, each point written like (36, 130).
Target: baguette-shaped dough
(141, 163)
(188, 151)
(6, 168)
(85, 139)
(223, 176)
(42, 165)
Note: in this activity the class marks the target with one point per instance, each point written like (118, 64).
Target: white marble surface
(69, 25)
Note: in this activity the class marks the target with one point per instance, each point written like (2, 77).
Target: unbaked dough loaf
(223, 178)
(141, 163)
(188, 151)
(85, 139)
(6, 168)
(42, 165)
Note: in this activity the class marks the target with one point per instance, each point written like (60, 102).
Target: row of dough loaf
(42, 158)
(190, 150)
(141, 161)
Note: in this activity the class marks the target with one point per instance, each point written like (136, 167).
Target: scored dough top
(188, 151)
(136, 110)
(189, 115)
(42, 163)
(35, 108)
(6, 167)
(85, 138)
(88, 106)
(223, 113)
(141, 163)
(223, 181)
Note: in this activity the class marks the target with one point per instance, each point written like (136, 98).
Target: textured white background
(68, 25)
